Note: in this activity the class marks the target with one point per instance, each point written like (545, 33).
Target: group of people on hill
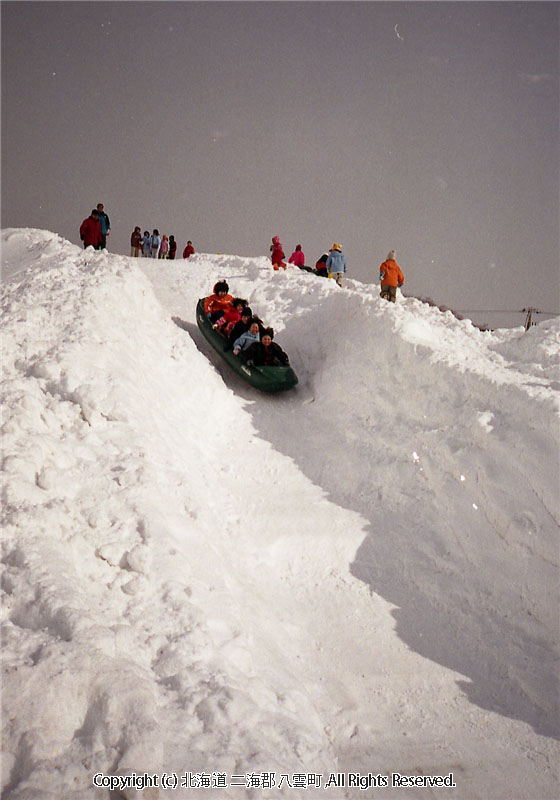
(333, 265)
(243, 331)
(95, 229)
(152, 245)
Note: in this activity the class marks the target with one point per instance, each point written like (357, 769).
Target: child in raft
(266, 353)
(247, 339)
(217, 303)
(230, 317)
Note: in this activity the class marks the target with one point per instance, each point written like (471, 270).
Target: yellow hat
(336, 247)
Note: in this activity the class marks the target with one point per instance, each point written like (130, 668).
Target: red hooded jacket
(277, 253)
(90, 231)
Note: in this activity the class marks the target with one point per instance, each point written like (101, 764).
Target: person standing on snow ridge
(298, 257)
(189, 250)
(90, 231)
(277, 254)
(336, 263)
(172, 247)
(135, 242)
(146, 244)
(105, 225)
(154, 243)
(390, 276)
(164, 247)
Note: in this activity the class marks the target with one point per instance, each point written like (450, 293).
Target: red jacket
(231, 314)
(215, 303)
(188, 251)
(277, 253)
(390, 273)
(90, 232)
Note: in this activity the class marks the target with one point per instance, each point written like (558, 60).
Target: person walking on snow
(390, 276)
(277, 254)
(105, 225)
(336, 263)
(90, 231)
(298, 257)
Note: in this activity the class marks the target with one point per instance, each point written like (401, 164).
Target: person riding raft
(217, 303)
(266, 353)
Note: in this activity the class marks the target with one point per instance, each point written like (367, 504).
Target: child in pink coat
(298, 257)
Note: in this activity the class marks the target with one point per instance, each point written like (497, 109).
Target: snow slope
(252, 591)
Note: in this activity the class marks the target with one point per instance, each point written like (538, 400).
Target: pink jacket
(297, 257)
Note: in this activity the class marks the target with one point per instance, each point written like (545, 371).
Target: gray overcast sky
(230, 122)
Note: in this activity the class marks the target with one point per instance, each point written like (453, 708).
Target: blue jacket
(336, 262)
(246, 340)
(105, 224)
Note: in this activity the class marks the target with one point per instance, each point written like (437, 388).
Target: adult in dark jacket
(266, 353)
(90, 231)
(105, 225)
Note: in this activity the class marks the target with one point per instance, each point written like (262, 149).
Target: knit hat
(391, 255)
(336, 247)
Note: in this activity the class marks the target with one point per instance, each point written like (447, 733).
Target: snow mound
(201, 580)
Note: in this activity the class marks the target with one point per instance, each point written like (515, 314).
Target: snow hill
(267, 596)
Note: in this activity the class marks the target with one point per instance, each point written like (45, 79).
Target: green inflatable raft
(266, 379)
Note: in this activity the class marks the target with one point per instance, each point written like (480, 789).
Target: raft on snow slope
(266, 379)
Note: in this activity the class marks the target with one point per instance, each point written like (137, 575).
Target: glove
(381, 275)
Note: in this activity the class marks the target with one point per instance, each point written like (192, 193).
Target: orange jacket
(390, 273)
(215, 303)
